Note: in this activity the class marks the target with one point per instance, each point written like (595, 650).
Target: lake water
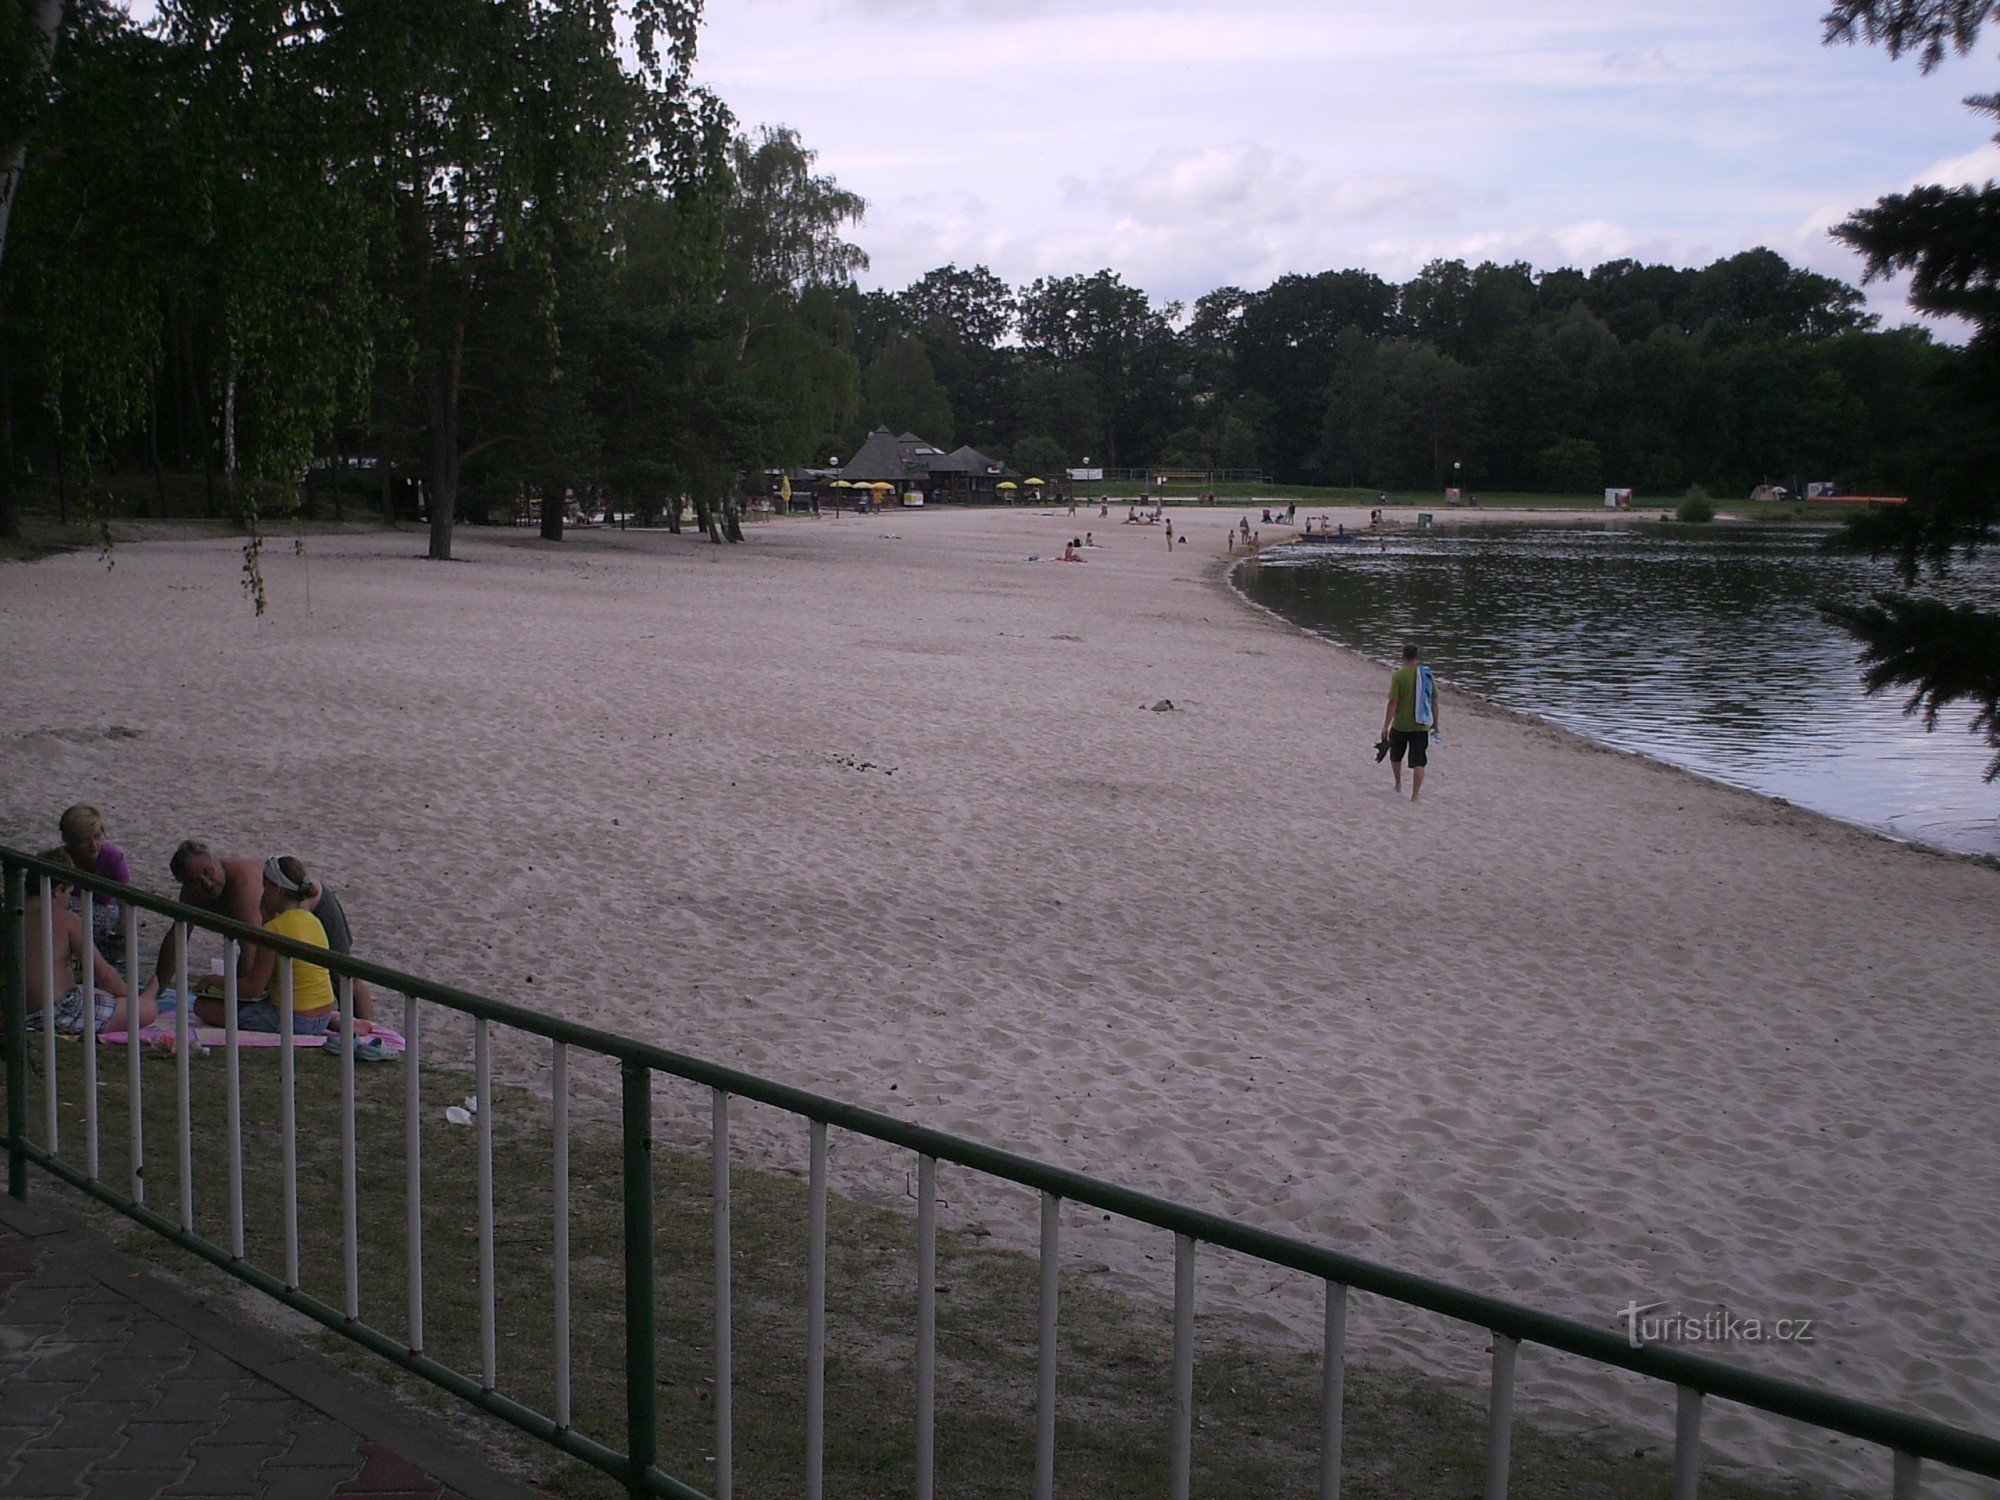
(1698, 646)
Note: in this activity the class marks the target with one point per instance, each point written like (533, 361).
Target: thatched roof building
(910, 463)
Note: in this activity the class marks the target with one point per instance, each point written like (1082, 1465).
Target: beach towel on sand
(214, 1037)
(1426, 698)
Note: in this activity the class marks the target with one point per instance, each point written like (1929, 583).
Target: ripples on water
(1701, 647)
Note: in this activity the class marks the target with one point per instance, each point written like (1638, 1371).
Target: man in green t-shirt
(1410, 719)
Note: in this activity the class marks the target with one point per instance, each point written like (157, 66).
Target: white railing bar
(288, 1119)
(1500, 1416)
(926, 1326)
(413, 1175)
(184, 1105)
(232, 1076)
(725, 1459)
(1687, 1442)
(559, 1109)
(815, 1309)
(1332, 1391)
(1909, 1477)
(50, 1093)
(350, 1211)
(482, 1067)
(135, 1124)
(89, 965)
(1180, 1467)
(1045, 1361)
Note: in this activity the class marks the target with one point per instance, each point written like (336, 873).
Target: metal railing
(1911, 1441)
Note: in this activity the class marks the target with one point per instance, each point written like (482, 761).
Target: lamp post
(1458, 478)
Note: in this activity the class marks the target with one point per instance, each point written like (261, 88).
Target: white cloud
(1973, 169)
(1245, 186)
(1191, 143)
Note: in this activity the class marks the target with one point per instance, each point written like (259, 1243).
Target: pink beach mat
(215, 1037)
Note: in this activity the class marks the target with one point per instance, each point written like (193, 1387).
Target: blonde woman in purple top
(83, 837)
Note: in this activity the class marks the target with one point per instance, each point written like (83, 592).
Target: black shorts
(1416, 741)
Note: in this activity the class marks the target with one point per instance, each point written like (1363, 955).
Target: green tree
(1945, 238)
(1427, 414)
(1040, 457)
(974, 307)
(1239, 437)
(161, 206)
(962, 316)
(1351, 433)
(489, 131)
(1099, 326)
(1759, 290)
(1211, 337)
(900, 391)
(1284, 351)
(1062, 403)
(1187, 449)
(1573, 465)
(788, 273)
(28, 36)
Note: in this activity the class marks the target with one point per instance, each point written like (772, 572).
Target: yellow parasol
(1006, 484)
(880, 484)
(840, 484)
(1035, 484)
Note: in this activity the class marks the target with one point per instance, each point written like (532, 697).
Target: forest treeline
(487, 246)
(1631, 375)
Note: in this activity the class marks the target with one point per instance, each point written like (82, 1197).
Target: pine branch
(1943, 653)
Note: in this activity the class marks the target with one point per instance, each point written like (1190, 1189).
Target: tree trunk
(674, 514)
(388, 491)
(229, 432)
(46, 17)
(732, 519)
(441, 462)
(153, 444)
(10, 513)
(553, 507)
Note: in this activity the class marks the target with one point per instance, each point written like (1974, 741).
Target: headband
(275, 873)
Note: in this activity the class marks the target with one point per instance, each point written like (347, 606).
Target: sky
(1192, 144)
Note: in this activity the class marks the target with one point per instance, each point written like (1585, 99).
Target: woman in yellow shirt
(286, 885)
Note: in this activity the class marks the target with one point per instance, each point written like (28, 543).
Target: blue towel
(1426, 697)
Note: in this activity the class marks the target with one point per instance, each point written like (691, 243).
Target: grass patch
(43, 537)
(1256, 1401)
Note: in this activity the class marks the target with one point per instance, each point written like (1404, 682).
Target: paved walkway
(118, 1386)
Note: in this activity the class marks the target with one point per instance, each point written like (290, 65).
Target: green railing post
(642, 1439)
(14, 1002)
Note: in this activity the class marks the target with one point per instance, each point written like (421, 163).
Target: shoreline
(1225, 576)
(887, 818)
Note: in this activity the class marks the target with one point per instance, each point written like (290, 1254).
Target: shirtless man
(98, 1003)
(234, 888)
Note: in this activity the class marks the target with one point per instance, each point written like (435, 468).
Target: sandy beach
(880, 807)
